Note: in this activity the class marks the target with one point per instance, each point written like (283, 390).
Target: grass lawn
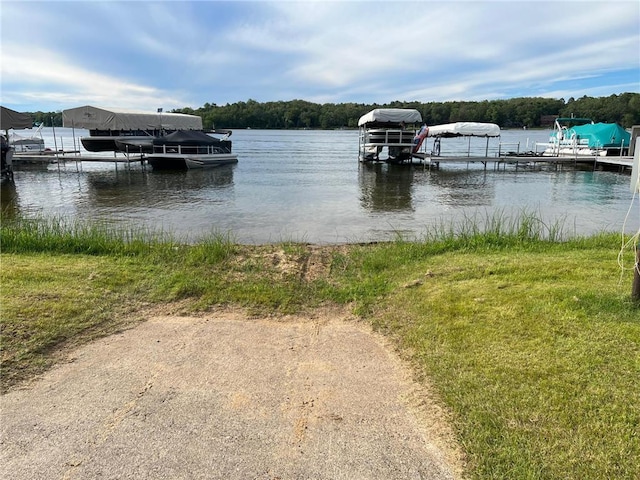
(537, 353)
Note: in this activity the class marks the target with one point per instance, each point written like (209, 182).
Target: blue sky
(141, 55)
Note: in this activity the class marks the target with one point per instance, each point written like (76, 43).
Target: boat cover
(12, 119)
(391, 115)
(93, 118)
(465, 129)
(600, 135)
(187, 137)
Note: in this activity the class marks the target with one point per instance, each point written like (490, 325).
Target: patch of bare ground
(304, 261)
(316, 395)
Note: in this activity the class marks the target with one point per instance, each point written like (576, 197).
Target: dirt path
(226, 397)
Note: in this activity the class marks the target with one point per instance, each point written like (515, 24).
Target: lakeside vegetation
(529, 336)
(530, 112)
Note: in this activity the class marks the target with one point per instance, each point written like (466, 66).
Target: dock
(52, 157)
(621, 163)
(385, 130)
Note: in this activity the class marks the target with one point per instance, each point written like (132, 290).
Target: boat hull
(135, 144)
(184, 162)
(554, 151)
(126, 143)
(99, 144)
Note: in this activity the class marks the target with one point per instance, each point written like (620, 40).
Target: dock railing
(506, 148)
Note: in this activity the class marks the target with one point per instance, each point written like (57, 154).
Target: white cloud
(41, 74)
(173, 54)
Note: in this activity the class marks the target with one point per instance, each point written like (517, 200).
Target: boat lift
(390, 129)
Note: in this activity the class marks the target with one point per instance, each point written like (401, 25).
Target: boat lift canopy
(465, 129)
(10, 119)
(93, 118)
(394, 116)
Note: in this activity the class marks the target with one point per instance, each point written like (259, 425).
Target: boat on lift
(10, 120)
(187, 149)
(575, 137)
(33, 143)
(133, 132)
(390, 129)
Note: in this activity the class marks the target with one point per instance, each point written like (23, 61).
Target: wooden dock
(43, 158)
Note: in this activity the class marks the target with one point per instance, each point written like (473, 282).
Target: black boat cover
(187, 137)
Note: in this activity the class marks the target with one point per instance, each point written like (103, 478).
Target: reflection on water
(388, 188)
(385, 188)
(157, 188)
(461, 188)
(309, 186)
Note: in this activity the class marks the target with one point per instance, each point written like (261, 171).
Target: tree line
(533, 112)
(513, 113)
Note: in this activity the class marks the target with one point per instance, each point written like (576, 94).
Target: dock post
(73, 133)
(55, 144)
(635, 289)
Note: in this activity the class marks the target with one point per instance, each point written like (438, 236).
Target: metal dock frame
(372, 141)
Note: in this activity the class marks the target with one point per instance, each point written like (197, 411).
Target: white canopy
(93, 118)
(465, 129)
(391, 115)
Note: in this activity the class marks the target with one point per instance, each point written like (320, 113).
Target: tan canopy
(12, 119)
(93, 118)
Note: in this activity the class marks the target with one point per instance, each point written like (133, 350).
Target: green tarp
(603, 135)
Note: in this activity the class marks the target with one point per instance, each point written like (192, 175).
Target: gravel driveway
(227, 397)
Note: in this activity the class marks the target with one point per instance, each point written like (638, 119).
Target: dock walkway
(74, 156)
(621, 162)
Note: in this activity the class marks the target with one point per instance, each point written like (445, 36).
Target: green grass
(528, 335)
(537, 353)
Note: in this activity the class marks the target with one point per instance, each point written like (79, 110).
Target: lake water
(308, 186)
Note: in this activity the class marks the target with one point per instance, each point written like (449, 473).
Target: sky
(141, 55)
